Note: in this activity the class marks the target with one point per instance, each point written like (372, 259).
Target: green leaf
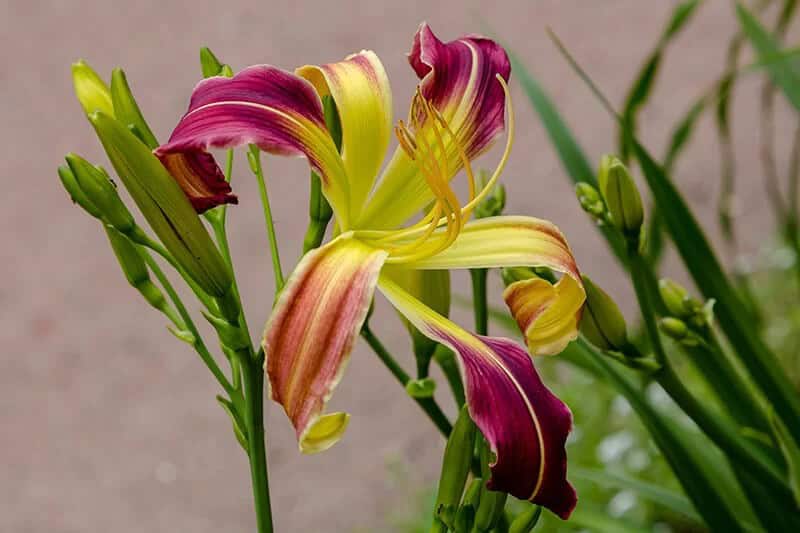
(783, 73)
(598, 521)
(571, 154)
(643, 84)
(657, 494)
(709, 276)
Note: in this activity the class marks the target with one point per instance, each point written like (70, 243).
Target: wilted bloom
(457, 112)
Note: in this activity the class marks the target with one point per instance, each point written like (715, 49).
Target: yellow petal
(361, 90)
(548, 314)
(308, 338)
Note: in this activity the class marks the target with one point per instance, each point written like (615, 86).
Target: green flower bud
(602, 322)
(126, 110)
(421, 388)
(621, 196)
(457, 460)
(492, 503)
(226, 71)
(91, 90)
(494, 203)
(96, 185)
(675, 298)
(526, 520)
(514, 274)
(209, 63)
(674, 328)
(135, 269)
(164, 205)
(590, 200)
(76, 194)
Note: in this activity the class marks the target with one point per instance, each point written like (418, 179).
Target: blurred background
(110, 424)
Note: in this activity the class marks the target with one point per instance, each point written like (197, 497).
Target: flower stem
(479, 297)
(199, 345)
(254, 419)
(254, 156)
(428, 405)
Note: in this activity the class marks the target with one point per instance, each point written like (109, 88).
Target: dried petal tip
(91, 90)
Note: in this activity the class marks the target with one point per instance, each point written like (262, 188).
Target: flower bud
(602, 322)
(135, 269)
(96, 185)
(76, 194)
(675, 297)
(457, 460)
(590, 200)
(495, 201)
(126, 110)
(492, 503)
(526, 520)
(674, 328)
(621, 196)
(421, 388)
(91, 90)
(209, 63)
(164, 205)
(514, 274)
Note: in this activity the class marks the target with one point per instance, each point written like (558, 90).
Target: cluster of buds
(686, 316)
(128, 142)
(617, 203)
(495, 201)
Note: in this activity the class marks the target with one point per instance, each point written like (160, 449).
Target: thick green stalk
(479, 300)
(428, 405)
(254, 419)
(719, 431)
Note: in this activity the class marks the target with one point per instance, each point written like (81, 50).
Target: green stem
(723, 435)
(254, 419)
(428, 405)
(255, 164)
(479, 303)
(199, 345)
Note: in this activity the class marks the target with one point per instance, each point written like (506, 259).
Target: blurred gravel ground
(108, 423)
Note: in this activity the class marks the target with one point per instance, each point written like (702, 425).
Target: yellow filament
(446, 208)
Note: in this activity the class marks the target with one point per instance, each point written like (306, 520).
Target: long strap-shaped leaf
(643, 85)
(569, 151)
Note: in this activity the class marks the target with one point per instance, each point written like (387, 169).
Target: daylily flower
(457, 112)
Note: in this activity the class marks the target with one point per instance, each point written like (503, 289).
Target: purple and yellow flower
(457, 112)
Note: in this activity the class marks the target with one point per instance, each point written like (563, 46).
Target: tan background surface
(107, 423)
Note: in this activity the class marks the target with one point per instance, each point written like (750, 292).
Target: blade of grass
(569, 151)
(643, 85)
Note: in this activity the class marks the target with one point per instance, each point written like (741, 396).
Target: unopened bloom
(457, 112)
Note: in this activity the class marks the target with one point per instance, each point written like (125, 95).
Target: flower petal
(525, 424)
(200, 178)
(361, 90)
(265, 106)
(459, 78)
(547, 314)
(308, 338)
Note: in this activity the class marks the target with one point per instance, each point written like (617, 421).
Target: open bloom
(457, 112)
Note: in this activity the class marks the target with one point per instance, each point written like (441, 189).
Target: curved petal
(265, 106)
(309, 336)
(547, 314)
(459, 79)
(525, 424)
(363, 97)
(200, 178)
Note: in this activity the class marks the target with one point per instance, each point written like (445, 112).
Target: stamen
(432, 157)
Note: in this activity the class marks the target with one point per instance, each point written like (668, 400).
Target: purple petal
(525, 424)
(262, 105)
(459, 77)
